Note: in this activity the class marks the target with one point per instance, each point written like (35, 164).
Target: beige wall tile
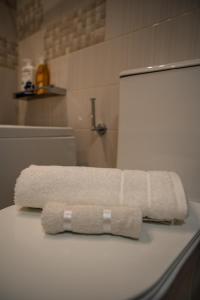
(59, 71)
(107, 106)
(96, 151)
(46, 112)
(117, 18)
(21, 112)
(170, 41)
(7, 22)
(32, 47)
(185, 38)
(8, 106)
(114, 61)
(162, 41)
(141, 48)
(99, 64)
(79, 107)
(8, 76)
(178, 39)
(145, 13)
(177, 7)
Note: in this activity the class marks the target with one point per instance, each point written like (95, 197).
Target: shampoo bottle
(42, 77)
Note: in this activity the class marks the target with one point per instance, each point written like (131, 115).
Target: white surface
(15, 131)
(186, 63)
(75, 267)
(159, 124)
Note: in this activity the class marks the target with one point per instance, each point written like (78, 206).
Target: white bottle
(28, 73)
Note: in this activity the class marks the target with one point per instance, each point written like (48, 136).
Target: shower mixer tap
(100, 128)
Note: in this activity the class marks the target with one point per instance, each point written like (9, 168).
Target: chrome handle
(100, 128)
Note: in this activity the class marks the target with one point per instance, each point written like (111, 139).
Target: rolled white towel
(160, 194)
(59, 217)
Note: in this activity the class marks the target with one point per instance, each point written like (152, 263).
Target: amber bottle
(42, 78)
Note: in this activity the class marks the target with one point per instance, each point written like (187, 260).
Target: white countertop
(34, 265)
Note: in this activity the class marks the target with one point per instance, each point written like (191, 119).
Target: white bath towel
(160, 194)
(59, 217)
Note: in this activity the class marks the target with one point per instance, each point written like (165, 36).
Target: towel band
(107, 215)
(67, 224)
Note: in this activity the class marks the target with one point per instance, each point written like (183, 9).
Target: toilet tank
(21, 146)
(159, 121)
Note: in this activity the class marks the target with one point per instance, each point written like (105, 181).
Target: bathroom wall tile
(71, 32)
(103, 150)
(185, 38)
(7, 24)
(98, 65)
(96, 151)
(117, 18)
(107, 106)
(114, 60)
(46, 112)
(21, 112)
(8, 109)
(79, 107)
(176, 7)
(124, 16)
(170, 41)
(145, 13)
(59, 71)
(29, 18)
(141, 48)
(8, 53)
(162, 42)
(178, 39)
(82, 68)
(32, 47)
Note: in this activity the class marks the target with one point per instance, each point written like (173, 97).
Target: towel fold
(159, 194)
(59, 217)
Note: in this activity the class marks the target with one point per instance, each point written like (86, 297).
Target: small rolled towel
(160, 194)
(124, 221)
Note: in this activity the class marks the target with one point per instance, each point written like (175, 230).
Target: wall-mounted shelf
(51, 91)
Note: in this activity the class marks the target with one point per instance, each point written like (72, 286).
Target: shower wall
(87, 44)
(8, 61)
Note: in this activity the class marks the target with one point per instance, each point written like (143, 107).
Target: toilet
(21, 146)
(159, 121)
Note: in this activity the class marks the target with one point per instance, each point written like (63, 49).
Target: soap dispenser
(27, 74)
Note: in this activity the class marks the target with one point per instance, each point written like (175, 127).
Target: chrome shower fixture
(100, 128)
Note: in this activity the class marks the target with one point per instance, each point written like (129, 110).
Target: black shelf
(52, 91)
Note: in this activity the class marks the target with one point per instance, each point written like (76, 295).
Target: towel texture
(59, 217)
(159, 194)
